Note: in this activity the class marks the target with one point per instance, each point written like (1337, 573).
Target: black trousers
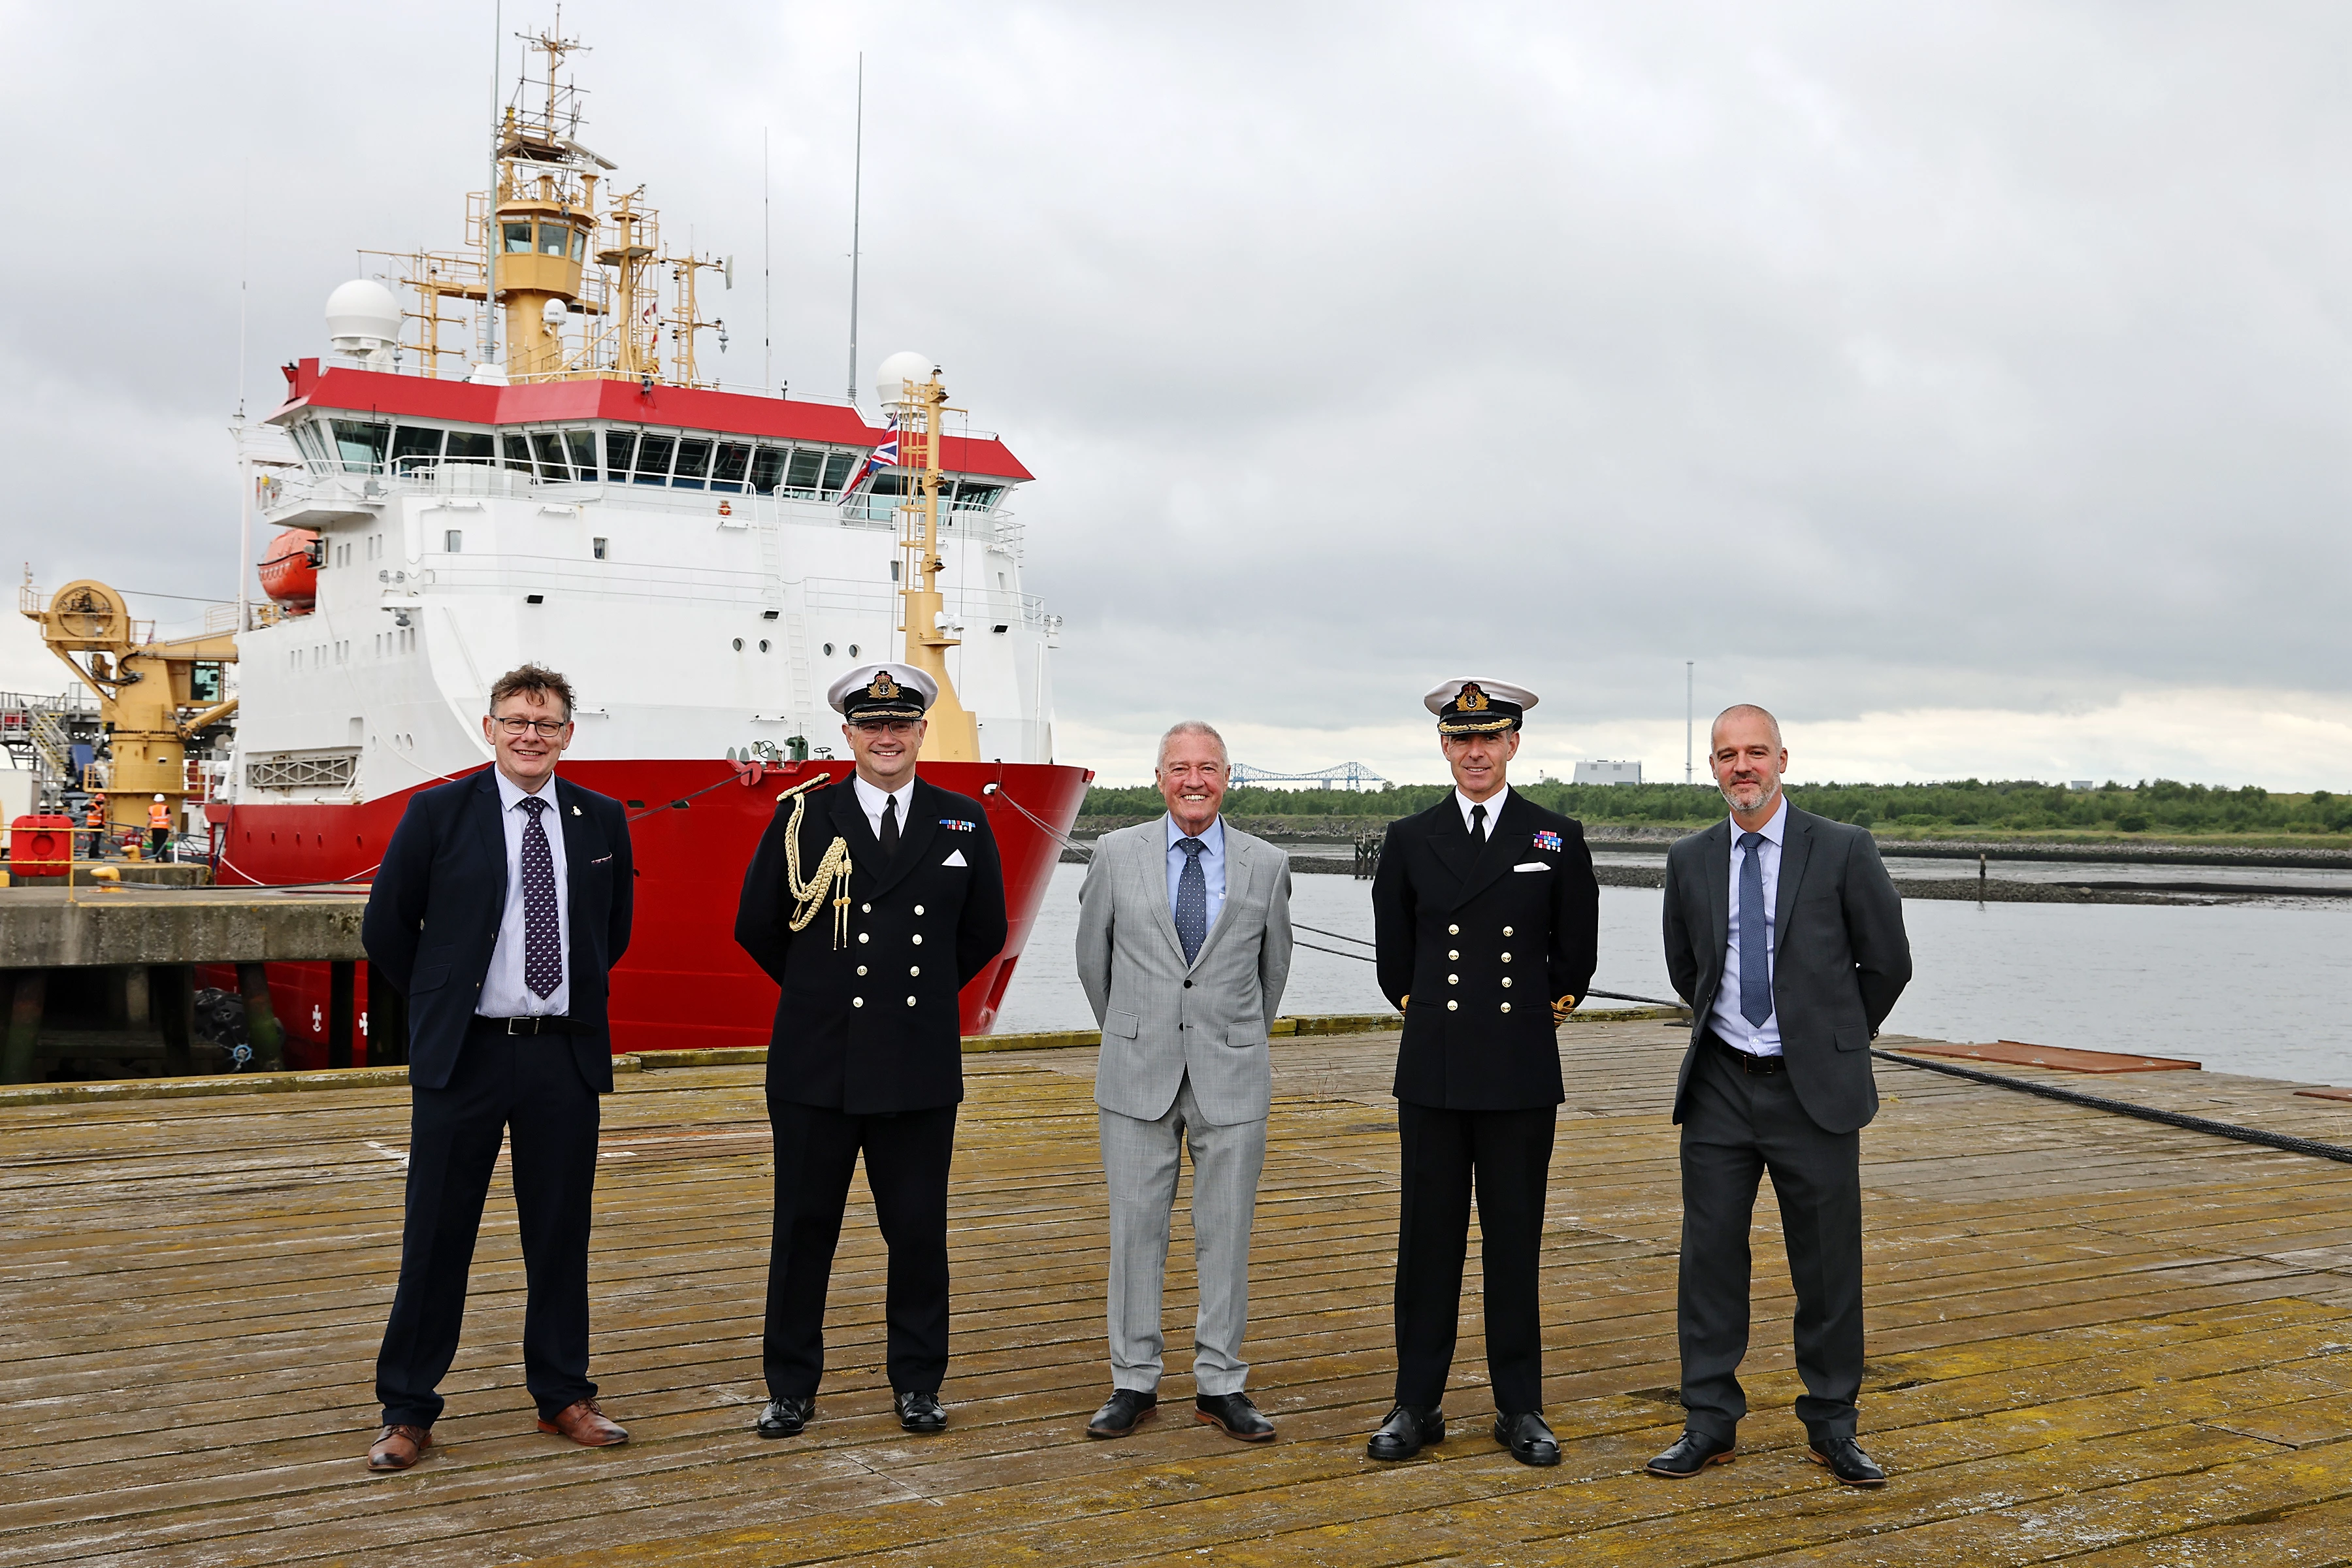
(1505, 1155)
(529, 1090)
(906, 1158)
(1737, 1125)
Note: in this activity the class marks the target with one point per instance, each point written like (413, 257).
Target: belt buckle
(511, 1029)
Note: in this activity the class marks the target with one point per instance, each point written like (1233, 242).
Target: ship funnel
(890, 378)
(363, 320)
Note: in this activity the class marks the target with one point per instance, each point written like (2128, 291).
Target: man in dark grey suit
(1786, 937)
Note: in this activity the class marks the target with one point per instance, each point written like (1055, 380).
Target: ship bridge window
(975, 497)
(469, 447)
(618, 444)
(726, 472)
(415, 446)
(518, 453)
(766, 465)
(555, 238)
(579, 244)
(653, 458)
(359, 444)
(583, 451)
(837, 469)
(553, 464)
(313, 445)
(807, 468)
(518, 238)
(693, 464)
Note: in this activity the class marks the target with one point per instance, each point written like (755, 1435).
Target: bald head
(1745, 752)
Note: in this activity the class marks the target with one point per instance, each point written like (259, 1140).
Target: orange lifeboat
(290, 570)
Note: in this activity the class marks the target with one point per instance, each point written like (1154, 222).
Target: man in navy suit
(500, 911)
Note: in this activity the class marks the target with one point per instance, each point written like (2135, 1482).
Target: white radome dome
(890, 377)
(363, 317)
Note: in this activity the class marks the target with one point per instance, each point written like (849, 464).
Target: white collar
(1492, 802)
(1776, 831)
(512, 792)
(871, 796)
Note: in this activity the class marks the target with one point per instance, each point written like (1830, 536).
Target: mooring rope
(2282, 1140)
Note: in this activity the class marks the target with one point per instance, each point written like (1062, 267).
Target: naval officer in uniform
(872, 902)
(1486, 916)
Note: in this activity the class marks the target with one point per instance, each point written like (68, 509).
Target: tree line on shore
(2162, 806)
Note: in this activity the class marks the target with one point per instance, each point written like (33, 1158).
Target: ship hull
(684, 984)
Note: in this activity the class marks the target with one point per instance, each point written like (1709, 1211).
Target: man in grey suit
(1183, 947)
(1786, 937)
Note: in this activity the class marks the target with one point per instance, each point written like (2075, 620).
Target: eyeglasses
(546, 728)
(896, 728)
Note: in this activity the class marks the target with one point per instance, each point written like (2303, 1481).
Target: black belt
(1748, 1061)
(550, 1023)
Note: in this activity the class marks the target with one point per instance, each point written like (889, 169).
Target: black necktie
(889, 834)
(1478, 827)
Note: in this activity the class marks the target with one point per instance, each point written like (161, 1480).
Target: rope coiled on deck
(2187, 1122)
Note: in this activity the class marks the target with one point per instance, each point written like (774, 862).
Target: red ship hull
(684, 984)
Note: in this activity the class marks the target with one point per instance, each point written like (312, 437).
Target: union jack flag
(884, 455)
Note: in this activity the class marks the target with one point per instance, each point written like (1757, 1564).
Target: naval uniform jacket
(871, 1027)
(434, 908)
(1482, 944)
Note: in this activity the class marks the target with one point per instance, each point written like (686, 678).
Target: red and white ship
(525, 463)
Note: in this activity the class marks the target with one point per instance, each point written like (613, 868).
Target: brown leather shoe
(397, 1447)
(585, 1424)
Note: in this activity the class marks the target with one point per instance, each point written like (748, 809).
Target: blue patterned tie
(1192, 901)
(1755, 937)
(542, 949)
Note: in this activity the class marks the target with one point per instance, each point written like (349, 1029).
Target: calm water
(2241, 988)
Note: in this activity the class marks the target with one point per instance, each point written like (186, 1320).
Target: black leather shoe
(1406, 1431)
(920, 1412)
(786, 1418)
(1692, 1452)
(1846, 1461)
(1528, 1440)
(1121, 1412)
(1233, 1414)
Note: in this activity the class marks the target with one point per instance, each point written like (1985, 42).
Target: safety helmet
(159, 800)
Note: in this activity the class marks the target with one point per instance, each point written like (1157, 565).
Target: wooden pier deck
(2092, 1341)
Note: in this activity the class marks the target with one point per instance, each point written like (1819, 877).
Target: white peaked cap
(838, 694)
(1446, 692)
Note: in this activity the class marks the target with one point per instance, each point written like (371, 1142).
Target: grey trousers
(1736, 1126)
(1139, 1162)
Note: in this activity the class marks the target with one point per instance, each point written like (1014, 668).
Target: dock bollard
(261, 1030)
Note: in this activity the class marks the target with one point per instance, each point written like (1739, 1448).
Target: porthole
(828, 650)
(763, 645)
(738, 645)
(853, 651)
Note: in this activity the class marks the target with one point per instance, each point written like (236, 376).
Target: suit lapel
(1151, 865)
(1505, 830)
(581, 843)
(914, 834)
(490, 829)
(1449, 840)
(1796, 848)
(849, 822)
(1716, 861)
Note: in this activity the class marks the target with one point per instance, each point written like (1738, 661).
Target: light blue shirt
(1728, 1021)
(505, 994)
(1213, 866)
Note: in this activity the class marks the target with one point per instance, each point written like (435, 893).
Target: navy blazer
(1840, 957)
(871, 1027)
(433, 915)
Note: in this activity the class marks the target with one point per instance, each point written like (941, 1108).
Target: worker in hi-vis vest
(158, 828)
(94, 821)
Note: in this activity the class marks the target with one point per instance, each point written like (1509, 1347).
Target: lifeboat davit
(290, 570)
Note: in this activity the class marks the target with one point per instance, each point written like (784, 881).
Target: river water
(2247, 988)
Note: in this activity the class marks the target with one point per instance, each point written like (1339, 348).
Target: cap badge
(1472, 700)
(884, 687)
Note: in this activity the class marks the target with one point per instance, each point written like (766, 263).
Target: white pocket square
(955, 859)
(1531, 866)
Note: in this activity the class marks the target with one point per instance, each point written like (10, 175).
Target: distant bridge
(1346, 776)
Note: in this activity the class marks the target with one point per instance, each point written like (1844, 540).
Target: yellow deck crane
(152, 697)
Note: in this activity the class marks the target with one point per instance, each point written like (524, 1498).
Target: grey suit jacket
(1840, 957)
(1161, 1018)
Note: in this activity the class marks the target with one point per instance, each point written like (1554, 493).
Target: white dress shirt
(870, 799)
(1728, 1021)
(1213, 866)
(504, 993)
(1494, 804)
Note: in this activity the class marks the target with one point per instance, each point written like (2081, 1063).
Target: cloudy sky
(1967, 383)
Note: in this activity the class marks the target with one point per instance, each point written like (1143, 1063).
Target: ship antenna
(490, 206)
(767, 275)
(856, 206)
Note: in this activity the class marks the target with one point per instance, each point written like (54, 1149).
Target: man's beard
(1768, 791)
